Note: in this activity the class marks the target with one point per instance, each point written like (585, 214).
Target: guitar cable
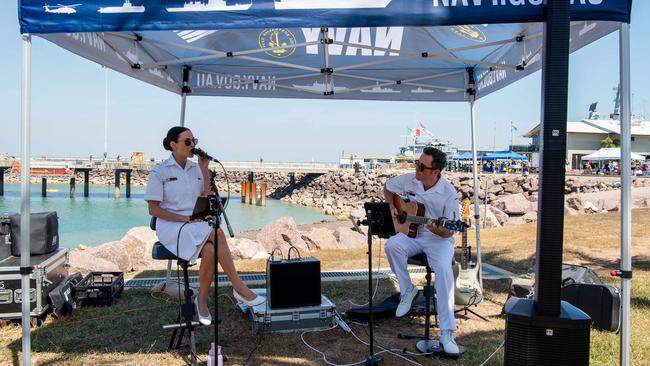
(374, 293)
(328, 362)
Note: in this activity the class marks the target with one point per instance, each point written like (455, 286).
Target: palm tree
(610, 142)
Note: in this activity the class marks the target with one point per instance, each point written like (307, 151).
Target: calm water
(100, 218)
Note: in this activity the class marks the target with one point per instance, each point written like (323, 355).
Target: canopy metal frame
(327, 70)
(325, 41)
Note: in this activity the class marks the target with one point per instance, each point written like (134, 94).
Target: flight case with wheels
(49, 270)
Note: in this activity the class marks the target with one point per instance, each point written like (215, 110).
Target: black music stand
(379, 220)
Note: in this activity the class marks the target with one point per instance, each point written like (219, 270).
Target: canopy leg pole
(184, 91)
(626, 196)
(477, 215)
(25, 122)
(183, 98)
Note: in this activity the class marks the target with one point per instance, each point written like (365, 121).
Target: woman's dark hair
(172, 135)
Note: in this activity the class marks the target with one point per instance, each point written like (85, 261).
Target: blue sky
(68, 108)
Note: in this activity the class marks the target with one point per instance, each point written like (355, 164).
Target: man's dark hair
(439, 157)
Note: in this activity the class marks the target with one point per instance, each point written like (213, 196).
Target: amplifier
(293, 283)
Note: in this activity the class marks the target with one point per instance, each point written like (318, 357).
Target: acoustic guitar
(467, 289)
(411, 217)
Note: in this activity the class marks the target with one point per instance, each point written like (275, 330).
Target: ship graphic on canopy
(127, 7)
(212, 5)
(330, 4)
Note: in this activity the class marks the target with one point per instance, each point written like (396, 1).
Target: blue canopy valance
(433, 50)
(36, 16)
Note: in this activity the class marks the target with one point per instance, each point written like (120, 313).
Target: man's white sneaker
(405, 302)
(448, 343)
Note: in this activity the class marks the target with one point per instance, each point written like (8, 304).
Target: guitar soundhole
(413, 228)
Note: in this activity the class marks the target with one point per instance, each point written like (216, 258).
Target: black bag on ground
(572, 273)
(601, 302)
(385, 309)
(43, 233)
(62, 298)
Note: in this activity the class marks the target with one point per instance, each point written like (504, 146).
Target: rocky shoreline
(342, 193)
(506, 199)
(133, 251)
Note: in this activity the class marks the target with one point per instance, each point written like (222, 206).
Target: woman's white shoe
(205, 320)
(256, 301)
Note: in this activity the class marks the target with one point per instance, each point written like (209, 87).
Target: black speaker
(533, 339)
(292, 283)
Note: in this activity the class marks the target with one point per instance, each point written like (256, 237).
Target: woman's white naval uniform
(177, 190)
(441, 200)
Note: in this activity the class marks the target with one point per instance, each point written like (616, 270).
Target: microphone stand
(372, 360)
(216, 223)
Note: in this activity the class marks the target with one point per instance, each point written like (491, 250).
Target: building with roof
(584, 137)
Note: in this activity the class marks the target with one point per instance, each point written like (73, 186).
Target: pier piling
(263, 195)
(43, 187)
(86, 172)
(72, 187)
(117, 183)
(2, 180)
(243, 191)
(253, 198)
(128, 183)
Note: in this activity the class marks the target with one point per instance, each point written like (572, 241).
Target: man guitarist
(440, 199)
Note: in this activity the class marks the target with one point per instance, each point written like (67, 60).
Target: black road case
(50, 270)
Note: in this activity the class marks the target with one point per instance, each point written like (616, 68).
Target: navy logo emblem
(470, 32)
(277, 37)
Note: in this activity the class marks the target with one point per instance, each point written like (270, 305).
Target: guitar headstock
(465, 212)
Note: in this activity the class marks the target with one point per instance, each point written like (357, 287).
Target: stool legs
(429, 293)
(187, 313)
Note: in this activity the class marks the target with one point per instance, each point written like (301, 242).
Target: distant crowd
(500, 166)
(613, 168)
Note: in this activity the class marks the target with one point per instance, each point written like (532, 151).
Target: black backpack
(62, 298)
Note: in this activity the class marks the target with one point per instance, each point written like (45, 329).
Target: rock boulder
(348, 238)
(281, 233)
(513, 204)
(322, 238)
(242, 248)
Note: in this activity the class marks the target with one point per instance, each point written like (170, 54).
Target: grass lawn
(130, 333)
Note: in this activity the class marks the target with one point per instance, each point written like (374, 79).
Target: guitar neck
(417, 219)
(464, 253)
(454, 225)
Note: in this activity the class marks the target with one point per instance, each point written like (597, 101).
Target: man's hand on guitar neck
(439, 230)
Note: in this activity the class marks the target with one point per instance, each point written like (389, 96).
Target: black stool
(429, 292)
(187, 308)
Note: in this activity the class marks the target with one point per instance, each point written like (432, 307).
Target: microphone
(203, 154)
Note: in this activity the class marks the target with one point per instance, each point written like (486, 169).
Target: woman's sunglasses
(189, 141)
(421, 166)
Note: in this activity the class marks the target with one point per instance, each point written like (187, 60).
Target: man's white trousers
(440, 254)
